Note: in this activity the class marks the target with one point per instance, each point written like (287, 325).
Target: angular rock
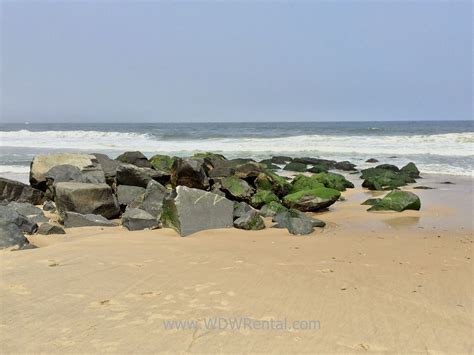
(11, 190)
(398, 201)
(86, 199)
(31, 212)
(388, 167)
(49, 206)
(295, 166)
(136, 219)
(127, 194)
(250, 221)
(11, 236)
(129, 174)
(109, 167)
(152, 199)
(268, 180)
(237, 189)
(8, 216)
(189, 173)
(249, 171)
(269, 164)
(297, 222)
(271, 209)
(241, 209)
(311, 200)
(162, 162)
(263, 197)
(73, 219)
(41, 164)
(48, 229)
(135, 158)
(193, 210)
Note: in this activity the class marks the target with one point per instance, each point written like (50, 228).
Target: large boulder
(241, 209)
(136, 219)
(384, 179)
(398, 201)
(271, 209)
(250, 221)
(135, 158)
(151, 200)
(236, 189)
(73, 219)
(249, 171)
(33, 213)
(48, 229)
(311, 200)
(268, 180)
(127, 194)
(86, 199)
(281, 159)
(129, 174)
(263, 197)
(345, 165)
(190, 173)
(303, 182)
(333, 181)
(162, 162)
(16, 191)
(11, 236)
(193, 210)
(109, 166)
(295, 166)
(41, 164)
(9, 216)
(411, 170)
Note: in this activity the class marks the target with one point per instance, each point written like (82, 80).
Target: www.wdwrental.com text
(240, 323)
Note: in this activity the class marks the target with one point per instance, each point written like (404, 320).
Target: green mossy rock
(318, 169)
(398, 201)
(303, 182)
(299, 167)
(237, 189)
(268, 180)
(269, 164)
(272, 208)
(411, 170)
(371, 201)
(162, 162)
(333, 181)
(210, 155)
(263, 197)
(250, 221)
(384, 179)
(311, 200)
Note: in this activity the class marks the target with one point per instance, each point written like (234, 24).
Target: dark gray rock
(152, 198)
(250, 221)
(48, 229)
(73, 219)
(241, 209)
(8, 215)
(237, 189)
(295, 166)
(190, 173)
(31, 212)
(11, 236)
(126, 194)
(109, 166)
(281, 159)
(49, 206)
(328, 164)
(136, 219)
(86, 199)
(193, 210)
(136, 158)
(297, 222)
(372, 160)
(128, 174)
(345, 166)
(388, 167)
(11, 190)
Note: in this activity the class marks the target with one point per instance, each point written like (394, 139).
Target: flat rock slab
(86, 199)
(72, 219)
(194, 210)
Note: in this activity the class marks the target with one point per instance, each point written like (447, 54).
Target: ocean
(440, 147)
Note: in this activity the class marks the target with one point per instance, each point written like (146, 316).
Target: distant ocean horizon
(439, 147)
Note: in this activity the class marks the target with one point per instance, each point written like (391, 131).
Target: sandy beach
(375, 282)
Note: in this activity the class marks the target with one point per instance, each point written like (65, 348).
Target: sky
(157, 61)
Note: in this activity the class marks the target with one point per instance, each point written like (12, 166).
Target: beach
(375, 282)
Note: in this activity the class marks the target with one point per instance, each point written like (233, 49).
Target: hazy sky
(240, 61)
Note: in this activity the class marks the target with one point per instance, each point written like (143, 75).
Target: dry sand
(376, 282)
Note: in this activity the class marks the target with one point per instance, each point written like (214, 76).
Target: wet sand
(376, 282)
